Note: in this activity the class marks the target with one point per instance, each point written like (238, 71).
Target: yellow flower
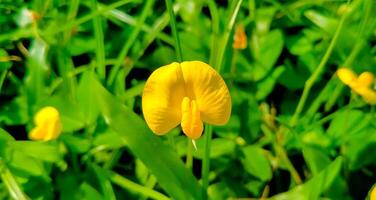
(48, 124)
(373, 193)
(189, 94)
(240, 38)
(359, 84)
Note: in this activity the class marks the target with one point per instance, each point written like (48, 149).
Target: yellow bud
(48, 124)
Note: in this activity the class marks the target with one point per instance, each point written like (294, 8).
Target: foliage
(295, 132)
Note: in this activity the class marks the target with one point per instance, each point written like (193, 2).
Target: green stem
(215, 32)
(312, 79)
(206, 159)
(362, 36)
(132, 186)
(224, 40)
(99, 38)
(130, 41)
(11, 184)
(189, 158)
(174, 30)
(216, 60)
(281, 152)
(2, 78)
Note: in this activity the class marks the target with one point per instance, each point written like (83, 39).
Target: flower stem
(312, 79)
(174, 30)
(189, 157)
(206, 159)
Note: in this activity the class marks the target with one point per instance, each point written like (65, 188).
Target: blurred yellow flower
(187, 93)
(47, 124)
(362, 84)
(373, 193)
(240, 38)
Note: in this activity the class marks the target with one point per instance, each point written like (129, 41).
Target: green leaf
(15, 112)
(37, 67)
(266, 86)
(326, 23)
(24, 164)
(90, 193)
(86, 101)
(359, 148)
(45, 151)
(346, 123)
(164, 163)
(109, 139)
(313, 188)
(77, 144)
(292, 78)
(256, 163)
(316, 158)
(270, 48)
(104, 182)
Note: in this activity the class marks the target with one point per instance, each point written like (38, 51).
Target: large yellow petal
(206, 86)
(162, 97)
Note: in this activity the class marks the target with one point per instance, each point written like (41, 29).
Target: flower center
(190, 119)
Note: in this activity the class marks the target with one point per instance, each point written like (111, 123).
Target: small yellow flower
(47, 124)
(240, 38)
(372, 195)
(189, 94)
(361, 84)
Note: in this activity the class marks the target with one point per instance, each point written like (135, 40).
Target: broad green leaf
(316, 158)
(86, 101)
(256, 163)
(24, 164)
(39, 150)
(299, 44)
(270, 48)
(347, 122)
(164, 163)
(4, 135)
